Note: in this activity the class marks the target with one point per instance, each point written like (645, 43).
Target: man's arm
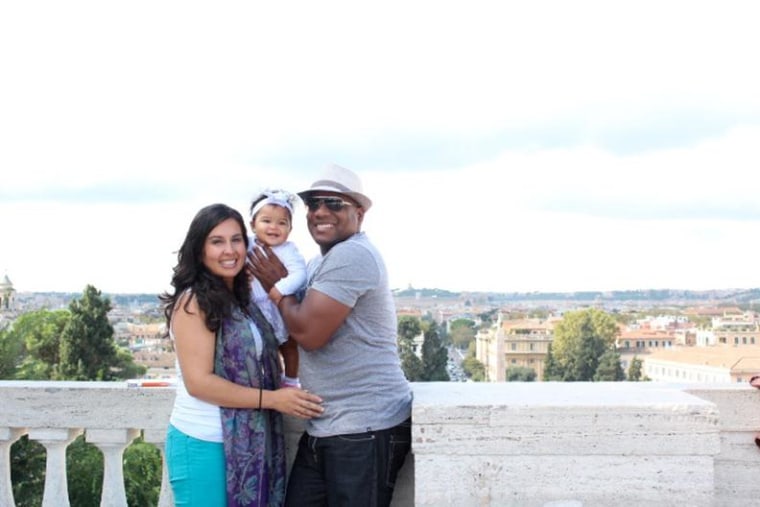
(311, 322)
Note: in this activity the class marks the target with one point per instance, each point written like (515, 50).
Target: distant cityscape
(680, 335)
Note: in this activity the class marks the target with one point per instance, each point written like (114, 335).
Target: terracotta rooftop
(743, 358)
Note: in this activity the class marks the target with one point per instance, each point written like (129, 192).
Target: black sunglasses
(331, 203)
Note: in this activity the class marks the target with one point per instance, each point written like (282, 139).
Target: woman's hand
(297, 402)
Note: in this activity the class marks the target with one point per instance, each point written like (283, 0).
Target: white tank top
(192, 416)
(197, 418)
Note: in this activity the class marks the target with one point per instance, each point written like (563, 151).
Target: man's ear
(360, 214)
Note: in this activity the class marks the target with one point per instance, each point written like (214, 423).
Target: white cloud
(669, 219)
(507, 145)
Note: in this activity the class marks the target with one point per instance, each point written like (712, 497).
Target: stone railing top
(63, 384)
(67, 404)
(553, 394)
(114, 404)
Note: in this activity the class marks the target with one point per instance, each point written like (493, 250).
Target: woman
(227, 357)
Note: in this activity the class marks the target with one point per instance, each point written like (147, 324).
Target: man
(346, 328)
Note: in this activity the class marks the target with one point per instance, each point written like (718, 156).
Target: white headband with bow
(276, 197)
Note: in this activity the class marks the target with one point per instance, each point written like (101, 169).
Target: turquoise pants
(196, 470)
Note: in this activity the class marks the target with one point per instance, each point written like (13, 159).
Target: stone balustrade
(479, 444)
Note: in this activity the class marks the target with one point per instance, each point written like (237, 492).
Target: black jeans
(355, 470)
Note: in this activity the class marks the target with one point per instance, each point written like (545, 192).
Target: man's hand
(265, 266)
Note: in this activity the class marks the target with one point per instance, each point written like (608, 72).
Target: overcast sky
(508, 146)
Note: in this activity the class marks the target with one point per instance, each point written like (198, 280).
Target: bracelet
(261, 395)
(286, 381)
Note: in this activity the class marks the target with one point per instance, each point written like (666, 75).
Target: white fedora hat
(335, 178)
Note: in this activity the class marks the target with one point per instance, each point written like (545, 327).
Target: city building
(7, 294)
(510, 343)
(736, 329)
(716, 364)
(637, 342)
(640, 340)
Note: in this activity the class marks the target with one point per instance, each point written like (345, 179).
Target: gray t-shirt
(358, 372)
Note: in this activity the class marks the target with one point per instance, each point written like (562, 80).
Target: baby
(271, 223)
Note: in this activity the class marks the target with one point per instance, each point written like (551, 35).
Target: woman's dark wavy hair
(214, 298)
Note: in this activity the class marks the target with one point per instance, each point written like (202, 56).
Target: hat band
(334, 184)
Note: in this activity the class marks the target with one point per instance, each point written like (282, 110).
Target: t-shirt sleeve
(347, 272)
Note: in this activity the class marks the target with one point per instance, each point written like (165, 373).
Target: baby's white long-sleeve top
(293, 260)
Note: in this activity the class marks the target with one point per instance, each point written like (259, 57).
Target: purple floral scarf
(254, 443)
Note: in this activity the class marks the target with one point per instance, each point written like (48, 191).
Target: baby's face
(272, 225)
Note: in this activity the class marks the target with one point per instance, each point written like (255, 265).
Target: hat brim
(363, 201)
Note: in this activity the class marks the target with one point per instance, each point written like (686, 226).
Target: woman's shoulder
(186, 311)
(187, 303)
(185, 296)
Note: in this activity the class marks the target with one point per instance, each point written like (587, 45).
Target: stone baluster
(112, 443)
(7, 437)
(158, 438)
(55, 440)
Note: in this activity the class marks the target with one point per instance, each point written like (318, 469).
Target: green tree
(580, 340)
(488, 317)
(635, 370)
(11, 353)
(87, 347)
(408, 329)
(142, 472)
(701, 321)
(551, 368)
(27, 472)
(88, 350)
(84, 472)
(434, 356)
(609, 369)
(40, 332)
(125, 366)
(520, 374)
(474, 369)
(462, 332)
(412, 365)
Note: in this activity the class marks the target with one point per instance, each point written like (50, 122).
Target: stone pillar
(55, 440)
(112, 443)
(158, 438)
(7, 437)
